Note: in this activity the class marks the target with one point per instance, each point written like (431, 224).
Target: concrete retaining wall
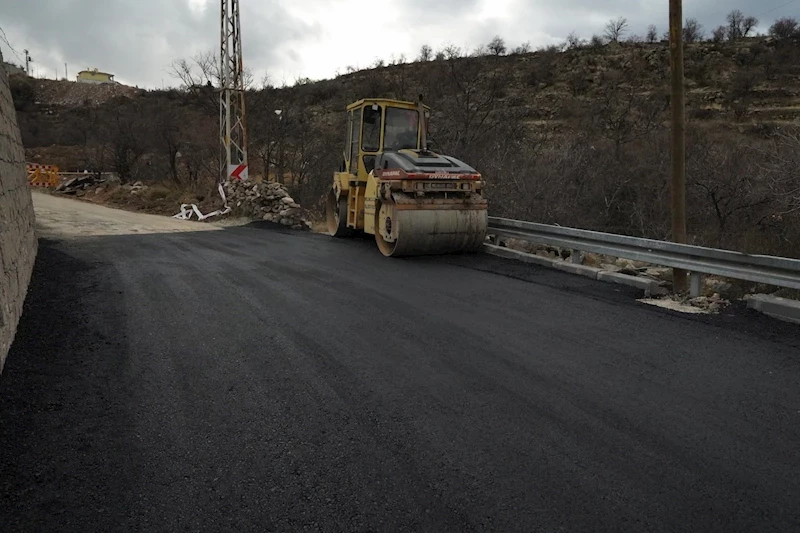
(17, 224)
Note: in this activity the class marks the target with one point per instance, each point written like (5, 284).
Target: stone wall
(17, 224)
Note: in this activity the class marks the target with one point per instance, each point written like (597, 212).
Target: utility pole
(233, 132)
(28, 61)
(66, 72)
(678, 135)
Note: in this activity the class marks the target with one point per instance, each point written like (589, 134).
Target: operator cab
(376, 126)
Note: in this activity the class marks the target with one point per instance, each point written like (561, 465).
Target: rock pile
(73, 94)
(79, 185)
(265, 201)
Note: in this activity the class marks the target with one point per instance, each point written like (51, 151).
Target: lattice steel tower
(233, 131)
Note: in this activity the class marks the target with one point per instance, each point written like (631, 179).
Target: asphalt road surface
(253, 378)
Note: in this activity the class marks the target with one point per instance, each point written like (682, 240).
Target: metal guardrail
(771, 270)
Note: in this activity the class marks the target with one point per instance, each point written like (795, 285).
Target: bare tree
(749, 24)
(425, 53)
(452, 51)
(200, 76)
(615, 29)
(719, 34)
(474, 94)
(625, 112)
(524, 48)
(169, 135)
(125, 137)
(574, 41)
(693, 31)
(784, 28)
(479, 51)
(729, 181)
(597, 41)
(739, 25)
(497, 46)
(652, 34)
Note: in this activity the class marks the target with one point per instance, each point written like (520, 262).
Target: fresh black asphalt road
(265, 380)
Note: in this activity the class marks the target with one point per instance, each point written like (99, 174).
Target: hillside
(577, 137)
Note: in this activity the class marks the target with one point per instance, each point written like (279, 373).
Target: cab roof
(385, 101)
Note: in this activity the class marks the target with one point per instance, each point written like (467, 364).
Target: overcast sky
(138, 39)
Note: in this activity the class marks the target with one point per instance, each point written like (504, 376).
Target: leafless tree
(625, 112)
(652, 34)
(739, 25)
(425, 53)
(728, 181)
(479, 51)
(749, 24)
(574, 41)
(784, 28)
(615, 29)
(450, 51)
(692, 31)
(497, 46)
(524, 48)
(597, 41)
(125, 137)
(201, 77)
(719, 34)
(474, 94)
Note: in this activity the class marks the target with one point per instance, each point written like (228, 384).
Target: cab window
(355, 118)
(402, 129)
(371, 134)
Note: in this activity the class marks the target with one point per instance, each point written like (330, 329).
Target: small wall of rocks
(18, 244)
(269, 201)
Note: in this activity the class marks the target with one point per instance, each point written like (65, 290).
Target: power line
(5, 40)
(776, 8)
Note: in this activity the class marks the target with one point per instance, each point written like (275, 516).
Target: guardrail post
(496, 240)
(695, 284)
(576, 257)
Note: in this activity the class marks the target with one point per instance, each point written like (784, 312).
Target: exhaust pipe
(423, 124)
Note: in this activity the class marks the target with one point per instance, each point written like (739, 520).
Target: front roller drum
(429, 231)
(336, 214)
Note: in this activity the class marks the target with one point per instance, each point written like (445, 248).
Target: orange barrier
(43, 175)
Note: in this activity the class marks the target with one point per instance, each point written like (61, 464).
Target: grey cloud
(137, 39)
(587, 18)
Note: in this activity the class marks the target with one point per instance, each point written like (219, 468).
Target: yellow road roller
(389, 184)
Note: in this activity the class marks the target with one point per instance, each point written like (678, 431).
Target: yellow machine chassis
(403, 223)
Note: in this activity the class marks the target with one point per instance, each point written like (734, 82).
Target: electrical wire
(776, 8)
(5, 40)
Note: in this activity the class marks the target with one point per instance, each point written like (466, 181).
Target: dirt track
(65, 217)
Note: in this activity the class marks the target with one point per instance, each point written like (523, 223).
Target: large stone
(292, 211)
(287, 200)
(286, 222)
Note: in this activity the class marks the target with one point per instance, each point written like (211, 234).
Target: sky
(137, 40)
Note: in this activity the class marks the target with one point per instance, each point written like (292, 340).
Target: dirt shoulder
(59, 217)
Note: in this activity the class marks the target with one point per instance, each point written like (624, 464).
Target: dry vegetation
(575, 135)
